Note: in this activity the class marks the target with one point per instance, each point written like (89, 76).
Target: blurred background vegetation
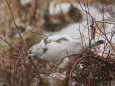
(34, 15)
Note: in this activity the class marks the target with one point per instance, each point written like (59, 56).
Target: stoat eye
(30, 51)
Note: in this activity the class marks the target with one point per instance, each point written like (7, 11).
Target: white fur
(57, 50)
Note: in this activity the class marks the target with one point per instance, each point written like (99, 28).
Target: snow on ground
(24, 2)
(54, 9)
(73, 28)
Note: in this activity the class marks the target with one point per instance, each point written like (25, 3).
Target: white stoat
(54, 48)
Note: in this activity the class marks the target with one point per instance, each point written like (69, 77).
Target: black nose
(100, 42)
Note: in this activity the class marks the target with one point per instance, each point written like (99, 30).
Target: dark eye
(30, 52)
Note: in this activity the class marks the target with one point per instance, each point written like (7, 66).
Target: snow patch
(57, 8)
(24, 2)
(76, 28)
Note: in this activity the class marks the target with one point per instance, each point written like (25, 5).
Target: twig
(34, 66)
(71, 71)
(97, 26)
(15, 24)
(106, 22)
(11, 45)
(38, 33)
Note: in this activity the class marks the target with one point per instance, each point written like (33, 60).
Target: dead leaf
(93, 29)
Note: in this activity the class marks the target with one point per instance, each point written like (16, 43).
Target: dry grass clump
(92, 71)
